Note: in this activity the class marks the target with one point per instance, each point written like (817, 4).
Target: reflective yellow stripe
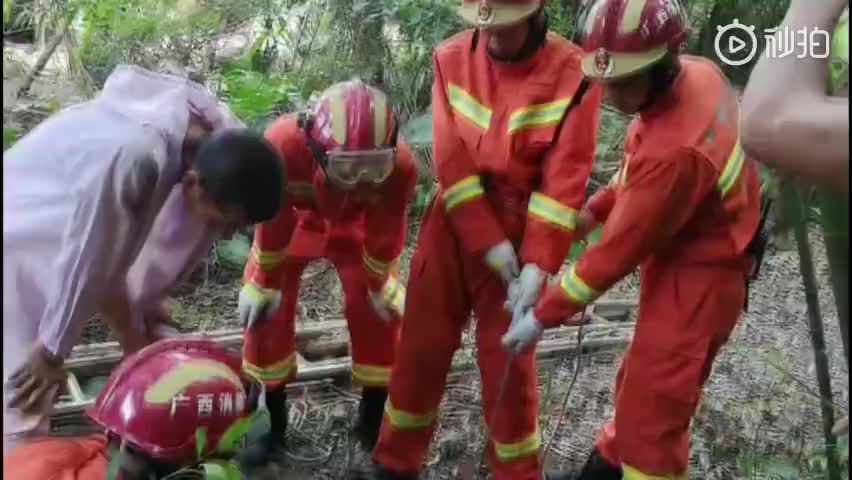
(507, 452)
(551, 211)
(300, 189)
(408, 421)
(465, 189)
(267, 259)
(463, 103)
(732, 170)
(371, 375)
(576, 289)
(632, 473)
(538, 115)
(376, 267)
(276, 372)
(258, 293)
(393, 294)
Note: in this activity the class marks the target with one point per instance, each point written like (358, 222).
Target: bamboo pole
(559, 343)
(795, 209)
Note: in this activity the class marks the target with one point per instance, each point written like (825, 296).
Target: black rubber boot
(271, 445)
(371, 409)
(366, 433)
(595, 468)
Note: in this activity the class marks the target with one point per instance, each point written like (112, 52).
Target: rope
(570, 388)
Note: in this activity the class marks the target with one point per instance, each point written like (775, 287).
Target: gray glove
(389, 302)
(256, 304)
(523, 332)
(524, 292)
(502, 259)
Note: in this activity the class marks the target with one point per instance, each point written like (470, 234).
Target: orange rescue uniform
(58, 458)
(360, 231)
(511, 164)
(685, 205)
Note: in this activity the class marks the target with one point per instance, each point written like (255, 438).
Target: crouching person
(178, 408)
(351, 180)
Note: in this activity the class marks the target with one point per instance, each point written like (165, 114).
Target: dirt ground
(757, 402)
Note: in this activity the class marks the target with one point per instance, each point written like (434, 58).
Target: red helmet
(486, 14)
(354, 128)
(161, 397)
(624, 37)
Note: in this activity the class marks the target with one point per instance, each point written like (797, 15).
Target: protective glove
(389, 302)
(525, 290)
(523, 332)
(257, 303)
(502, 259)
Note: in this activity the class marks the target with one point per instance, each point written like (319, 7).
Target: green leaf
(221, 470)
(577, 248)
(232, 438)
(418, 130)
(93, 386)
(234, 251)
(200, 442)
(8, 5)
(10, 136)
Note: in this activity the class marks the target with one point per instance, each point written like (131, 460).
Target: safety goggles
(366, 166)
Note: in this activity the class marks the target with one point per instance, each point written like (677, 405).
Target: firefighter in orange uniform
(684, 207)
(514, 140)
(351, 181)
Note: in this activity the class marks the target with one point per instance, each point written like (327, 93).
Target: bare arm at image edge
(794, 125)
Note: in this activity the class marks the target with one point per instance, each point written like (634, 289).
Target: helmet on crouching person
(179, 409)
(352, 132)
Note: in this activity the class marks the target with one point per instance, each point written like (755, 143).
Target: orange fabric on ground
(512, 163)
(685, 205)
(58, 458)
(362, 232)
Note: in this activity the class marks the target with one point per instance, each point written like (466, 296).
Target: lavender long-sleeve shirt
(92, 203)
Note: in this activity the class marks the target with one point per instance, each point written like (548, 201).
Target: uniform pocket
(534, 121)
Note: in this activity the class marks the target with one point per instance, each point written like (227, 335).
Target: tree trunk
(796, 210)
(41, 62)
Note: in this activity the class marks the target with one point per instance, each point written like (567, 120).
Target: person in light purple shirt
(109, 205)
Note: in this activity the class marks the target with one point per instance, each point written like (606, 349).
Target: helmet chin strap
(661, 76)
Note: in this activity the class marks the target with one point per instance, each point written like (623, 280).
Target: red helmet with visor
(353, 132)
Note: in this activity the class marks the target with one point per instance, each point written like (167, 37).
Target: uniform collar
(523, 67)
